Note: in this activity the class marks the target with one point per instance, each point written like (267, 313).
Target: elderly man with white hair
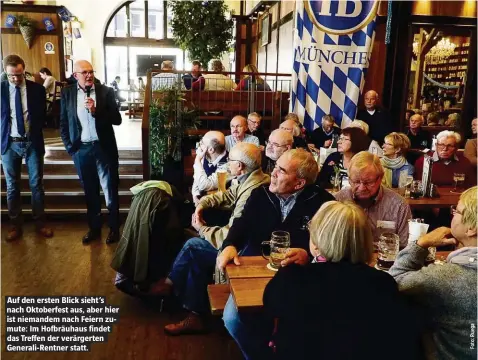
(279, 142)
(378, 119)
(239, 127)
(447, 162)
(292, 127)
(383, 206)
(193, 267)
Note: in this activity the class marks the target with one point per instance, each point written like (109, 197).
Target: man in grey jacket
(448, 292)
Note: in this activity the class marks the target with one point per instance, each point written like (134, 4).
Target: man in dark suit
(88, 111)
(23, 117)
(378, 120)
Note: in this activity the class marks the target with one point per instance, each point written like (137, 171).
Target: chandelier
(415, 48)
(441, 51)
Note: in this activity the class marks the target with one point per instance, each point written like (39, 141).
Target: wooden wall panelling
(376, 70)
(445, 8)
(35, 57)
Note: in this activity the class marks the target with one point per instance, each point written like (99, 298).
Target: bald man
(88, 113)
(292, 127)
(419, 138)
(211, 155)
(378, 120)
(239, 127)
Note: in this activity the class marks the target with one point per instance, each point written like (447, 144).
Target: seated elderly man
(384, 207)
(446, 162)
(238, 126)
(254, 128)
(193, 267)
(322, 136)
(287, 204)
(447, 292)
(210, 155)
(419, 138)
(292, 127)
(279, 142)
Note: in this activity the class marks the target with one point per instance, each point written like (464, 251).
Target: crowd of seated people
(277, 184)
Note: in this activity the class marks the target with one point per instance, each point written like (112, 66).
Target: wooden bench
(221, 106)
(218, 295)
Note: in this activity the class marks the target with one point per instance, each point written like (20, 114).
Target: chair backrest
(57, 92)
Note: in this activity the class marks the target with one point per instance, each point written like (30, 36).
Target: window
(137, 21)
(117, 27)
(156, 12)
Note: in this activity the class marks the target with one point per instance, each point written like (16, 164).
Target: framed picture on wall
(265, 25)
(68, 50)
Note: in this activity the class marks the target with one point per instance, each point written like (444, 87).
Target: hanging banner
(332, 46)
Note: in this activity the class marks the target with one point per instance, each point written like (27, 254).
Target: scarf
(389, 165)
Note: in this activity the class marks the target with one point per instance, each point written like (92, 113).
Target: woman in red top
(245, 83)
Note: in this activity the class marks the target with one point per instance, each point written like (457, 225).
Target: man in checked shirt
(384, 207)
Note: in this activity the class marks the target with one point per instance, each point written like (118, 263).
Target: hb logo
(341, 17)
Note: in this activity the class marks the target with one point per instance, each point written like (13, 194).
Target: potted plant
(27, 28)
(203, 28)
(169, 120)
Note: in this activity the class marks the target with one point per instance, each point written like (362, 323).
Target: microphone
(88, 90)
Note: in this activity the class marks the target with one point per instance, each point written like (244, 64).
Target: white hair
(448, 133)
(360, 124)
(249, 155)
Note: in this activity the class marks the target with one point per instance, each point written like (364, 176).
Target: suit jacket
(36, 103)
(106, 116)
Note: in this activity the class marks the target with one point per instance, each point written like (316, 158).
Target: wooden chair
(54, 113)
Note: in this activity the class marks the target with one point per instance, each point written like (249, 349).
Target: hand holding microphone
(89, 102)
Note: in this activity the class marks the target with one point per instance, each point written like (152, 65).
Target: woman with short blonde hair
(340, 231)
(393, 161)
(323, 308)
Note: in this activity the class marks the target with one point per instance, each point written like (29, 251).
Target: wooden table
(248, 281)
(445, 199)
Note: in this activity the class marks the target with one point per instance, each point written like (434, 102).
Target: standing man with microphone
(88, 113)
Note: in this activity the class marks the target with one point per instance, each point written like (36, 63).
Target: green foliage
(201, 28)
(23, 20)
(169, 120)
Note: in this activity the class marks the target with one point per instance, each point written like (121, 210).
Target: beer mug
(221, 179)
(388, 245)
(279, 246)
(416, 189)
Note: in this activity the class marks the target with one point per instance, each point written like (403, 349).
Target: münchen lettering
(338, 57)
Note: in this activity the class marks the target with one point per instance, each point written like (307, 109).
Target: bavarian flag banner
(332, 47)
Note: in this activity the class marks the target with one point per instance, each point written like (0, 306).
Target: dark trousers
(94, 169)
(12, 163)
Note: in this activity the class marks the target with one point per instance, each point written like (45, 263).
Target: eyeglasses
(234, 160)
(85, 73)
(11, 76)
(454, 210)
(273, 144)
(443, 146)
(341, 138)
(367, 184)
(254, 122)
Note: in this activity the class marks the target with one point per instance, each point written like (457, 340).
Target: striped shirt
(388, 206)
(286, 205)
(231, 141)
